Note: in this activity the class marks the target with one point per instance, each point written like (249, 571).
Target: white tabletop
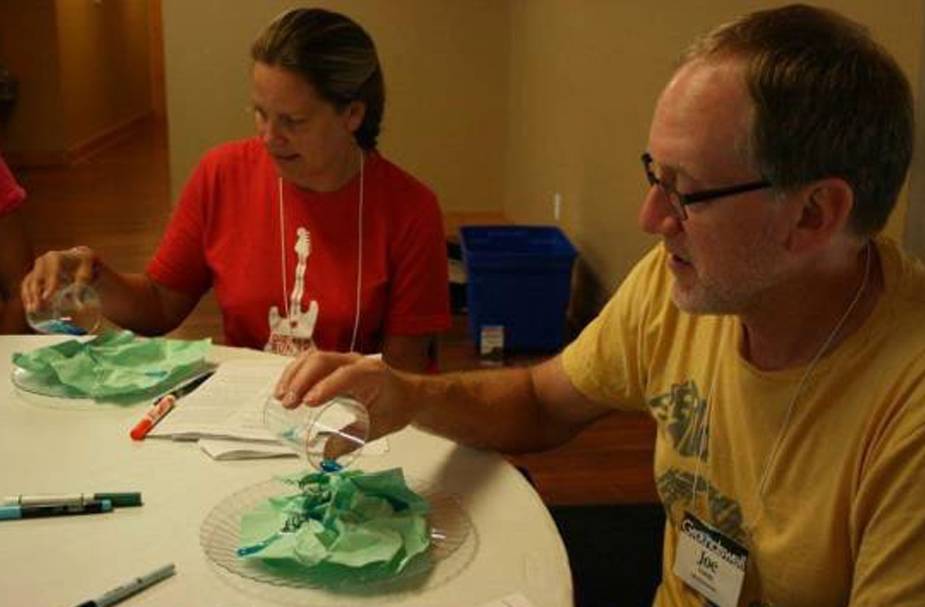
(65, 446)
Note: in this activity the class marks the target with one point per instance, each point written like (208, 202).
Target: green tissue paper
(339, 524)
(114, 365)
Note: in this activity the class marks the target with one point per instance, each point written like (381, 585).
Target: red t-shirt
(11, 194)
(225, 234)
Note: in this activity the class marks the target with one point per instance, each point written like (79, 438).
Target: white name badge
(709, 562)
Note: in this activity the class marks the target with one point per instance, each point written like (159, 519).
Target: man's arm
(510, 410)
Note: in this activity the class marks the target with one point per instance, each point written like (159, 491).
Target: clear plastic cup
(73, 310)
(329, 436)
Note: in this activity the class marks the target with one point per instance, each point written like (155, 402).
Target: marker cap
(9, 512)
(121, 500)
(141, 429)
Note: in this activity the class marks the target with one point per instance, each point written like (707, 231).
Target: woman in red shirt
(309, 236)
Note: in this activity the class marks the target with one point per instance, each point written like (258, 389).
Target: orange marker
(154, 415)
(163, 405)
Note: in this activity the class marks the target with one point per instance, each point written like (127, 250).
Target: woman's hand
(316, 377)
(55, 269)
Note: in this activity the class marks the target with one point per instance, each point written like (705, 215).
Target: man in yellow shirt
(774, 336)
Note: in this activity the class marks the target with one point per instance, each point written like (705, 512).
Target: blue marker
(42, 510)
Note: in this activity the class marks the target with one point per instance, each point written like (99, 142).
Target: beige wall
(445, 65)
(498, 104)
(83, 71)
(583, 84)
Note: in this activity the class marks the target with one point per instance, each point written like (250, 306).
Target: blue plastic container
(519, 277)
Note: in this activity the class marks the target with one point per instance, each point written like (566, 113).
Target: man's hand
(316, 377)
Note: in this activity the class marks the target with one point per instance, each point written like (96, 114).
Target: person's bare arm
(144, 306)
(510, 410)
(132, 301)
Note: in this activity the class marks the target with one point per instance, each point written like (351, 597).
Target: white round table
(60, 446)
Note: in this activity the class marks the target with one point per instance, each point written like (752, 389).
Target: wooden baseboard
(80, 151)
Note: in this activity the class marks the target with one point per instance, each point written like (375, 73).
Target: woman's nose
(269, 131)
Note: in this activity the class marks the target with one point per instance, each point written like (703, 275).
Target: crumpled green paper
(339, 524)
(114, 365)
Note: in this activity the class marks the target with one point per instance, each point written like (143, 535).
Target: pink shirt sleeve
(11, 193)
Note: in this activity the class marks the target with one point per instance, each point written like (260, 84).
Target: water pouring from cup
(330, 436)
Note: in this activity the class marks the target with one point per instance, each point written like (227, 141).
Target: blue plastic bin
(518, 277)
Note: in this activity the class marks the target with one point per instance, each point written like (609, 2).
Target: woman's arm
(132, 301)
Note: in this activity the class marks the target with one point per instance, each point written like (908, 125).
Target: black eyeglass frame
(684, 200)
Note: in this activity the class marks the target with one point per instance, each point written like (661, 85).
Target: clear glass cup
(74, 309)
(329, 436)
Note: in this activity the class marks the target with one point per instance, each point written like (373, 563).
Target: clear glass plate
(26, 380)
(453, 545)
(38, 394)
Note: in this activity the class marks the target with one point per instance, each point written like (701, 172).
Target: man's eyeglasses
(679, 201)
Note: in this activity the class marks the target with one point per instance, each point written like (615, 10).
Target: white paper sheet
(227, 406)
(224, 413)
(221, 449)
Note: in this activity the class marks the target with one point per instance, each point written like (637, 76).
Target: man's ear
(824, 211)
(354, 114)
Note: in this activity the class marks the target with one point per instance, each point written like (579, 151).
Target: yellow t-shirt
(843, 516)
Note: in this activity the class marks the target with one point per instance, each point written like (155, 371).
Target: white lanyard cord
(772, 455)
(282, 248)
(356, 321)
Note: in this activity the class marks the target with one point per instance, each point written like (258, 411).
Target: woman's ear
(353, 115)
(824, 211)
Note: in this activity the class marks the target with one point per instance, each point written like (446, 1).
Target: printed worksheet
(226, 406)
(225, 413)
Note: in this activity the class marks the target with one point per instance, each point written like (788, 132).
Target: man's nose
(656, 215)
